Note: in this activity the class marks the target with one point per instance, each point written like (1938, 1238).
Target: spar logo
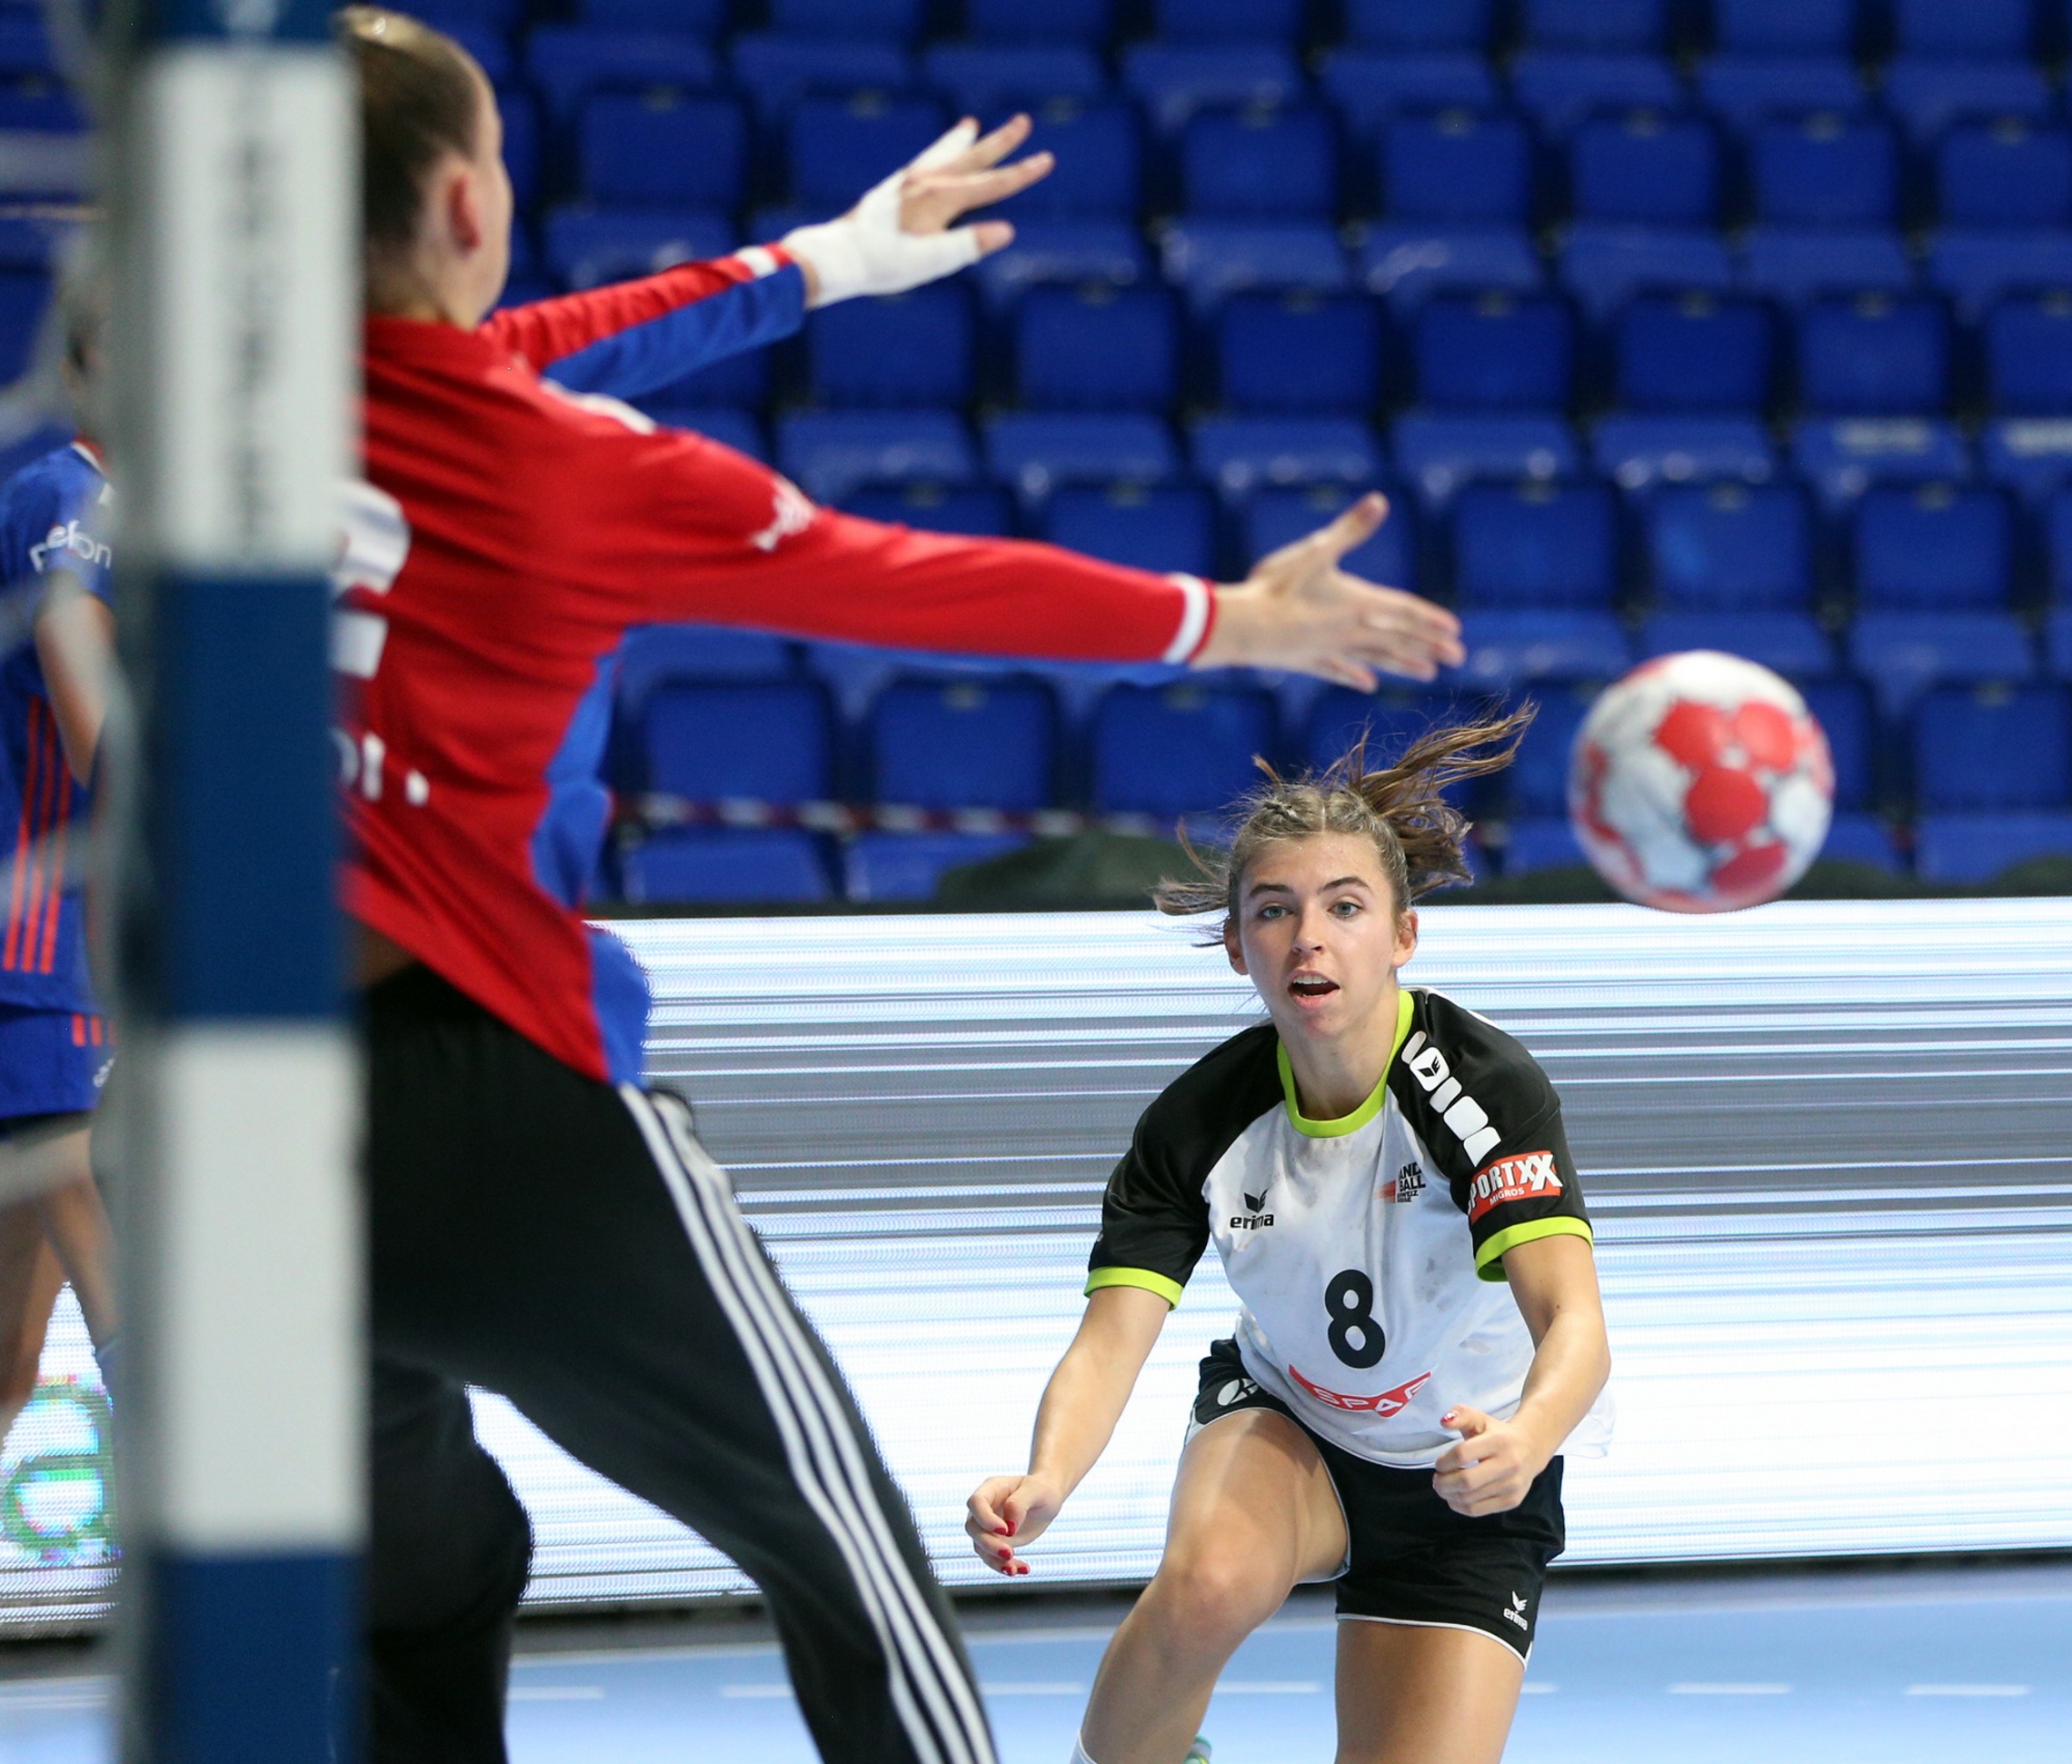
(1528, 1177)
(1389, 1402)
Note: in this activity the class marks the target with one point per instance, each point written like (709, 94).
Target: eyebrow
(1283, 888)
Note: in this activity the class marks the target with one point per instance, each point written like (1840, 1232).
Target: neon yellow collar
(1359, 1117)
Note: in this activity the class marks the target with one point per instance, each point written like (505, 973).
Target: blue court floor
(1889, 1666)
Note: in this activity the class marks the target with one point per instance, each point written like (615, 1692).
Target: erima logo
(1255, 1218)
(1459, 1111)
(1410, 1182)
(1531, 1177)
(1516, 1611)
(1236, 1389)
(72, 543)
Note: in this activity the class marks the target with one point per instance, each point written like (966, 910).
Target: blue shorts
(52, 1062)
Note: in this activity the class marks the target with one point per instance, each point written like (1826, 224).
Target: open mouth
(1312, 987)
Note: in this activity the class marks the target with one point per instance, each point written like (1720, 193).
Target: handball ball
(1700, 784)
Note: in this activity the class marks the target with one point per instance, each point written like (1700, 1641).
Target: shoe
(1199, 1751)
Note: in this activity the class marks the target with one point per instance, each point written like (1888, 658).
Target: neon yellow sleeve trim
(1359, 1117)
(1488, 1259)
(1169, 1290)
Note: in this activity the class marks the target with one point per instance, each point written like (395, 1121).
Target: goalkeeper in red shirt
(540, 1224)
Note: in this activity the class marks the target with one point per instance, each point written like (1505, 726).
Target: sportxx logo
(1529, 1177)
(1389, 1402)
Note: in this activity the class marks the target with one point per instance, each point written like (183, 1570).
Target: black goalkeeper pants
(571, 1246)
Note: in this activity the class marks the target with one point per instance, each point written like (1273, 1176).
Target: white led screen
(1827, 1147)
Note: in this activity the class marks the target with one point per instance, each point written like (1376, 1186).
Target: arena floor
(1899, 1666)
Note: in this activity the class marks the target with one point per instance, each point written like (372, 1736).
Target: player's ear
(1406, 938)
(460, 206)
(1231, 947)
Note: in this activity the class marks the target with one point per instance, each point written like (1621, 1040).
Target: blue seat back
(1494, 351)
(1299, 352)
(1164, 528)
(1440, 451)
(1274, 518)
(1099, 169)
(1604, 266)
(1560, 90)
(768, 741)
(1180, 750)
(2029, 356)
(896, 20)
(1928, 92)
(1036, 452)
(1536, 544)
(839, 147)
(1975, 28)
(1993, 746)
(1744, 91)
(1905, 653)
(830, 454)
(1097, 347)
(1729, 548)
(1457, 167)
(1794, 264)
(663, 147)
(1387, 721)
(1843, 709)
(24, 296)
(900, 348)
(1933, 548)
(1826, 171)
(986, 79)
(1694, 351)
(1639, 452)
(776, 71)
(1240, 453)
(567, 64)
(1538, 780)
(1978, 848)
(1873, 354)
(727, 866)
(1260, 165)
(1788, 643)
(1040, 21)
(1368, 87)
(1418, 24)
(1633, 24)
(1646, 168)
(1224, 21)
(911, 866)
(972, 744)
(1791, 28)
(2005, 173)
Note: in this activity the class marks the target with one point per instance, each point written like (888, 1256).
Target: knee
(1218, 1593)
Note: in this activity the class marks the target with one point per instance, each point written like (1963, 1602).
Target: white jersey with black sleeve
(1367, 1251)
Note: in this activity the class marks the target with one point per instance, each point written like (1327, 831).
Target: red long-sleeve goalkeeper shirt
(507, 538)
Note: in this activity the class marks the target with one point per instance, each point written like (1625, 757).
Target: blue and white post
(234, 197)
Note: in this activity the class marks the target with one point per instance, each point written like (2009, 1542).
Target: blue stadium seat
(1211, 259)
(2058, 631)
(490, 49)
(1036, 452)
(662, 148)
(1794, 264)
(986, 79)
(1406, 266)
(1456, 166)
(963, 743)
(830, 454)
(24, 295)
(1559, 91)
(1744, 91)
(735, 866)
(1861, 838)
(1787, 27)
(1929, 93)
(1168, 528)
(1418, 24)
(1040, 21)
(1646, 168)
(896, 20)
(1873, 354)
(767, 741)
(1063, 251)
(567, 64)
(1494, 351)
(1843, 459)
(657, 653)
(37, 106)
(700, 17)
(1639, 453)
(1260, 165)
(586, 247)
(778, 71)
(1976, 268)
(1933, 548)
(1993, 746)
(1440, 452)
(1843, 709)
(1789, 643)
(1693, 352)
(1239, 454)
(1975, 28)
(1339, 719)
(2058, 546)
(1185, 749)
(2029, 356)
(911, 866)
(909, 349)
(1299, 352)
(1978, 848)
(1602, 24)
(1227, 21)
(1274, 518)
(24, 45)
(1826, 171)
(1505, 648)
(521, 115)
(1097, 348)
(1175, 80)
(1905, 653)
(2029, 455)
(1604, 266)
(1537, 843)
(729, 426)
(839, 147)
(1368, 87)
(1536, 544)
(982, 510)
(1537, 784)
(2005, 175)
(1099, 169)
(1729, 548)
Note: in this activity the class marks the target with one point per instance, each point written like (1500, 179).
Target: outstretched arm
(1083, 1400)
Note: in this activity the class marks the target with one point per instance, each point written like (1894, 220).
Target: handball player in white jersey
(1386, 1178)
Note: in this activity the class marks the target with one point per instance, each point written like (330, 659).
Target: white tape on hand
(867, 252)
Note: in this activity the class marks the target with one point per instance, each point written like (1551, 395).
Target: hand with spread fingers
(903, 234)
(1299, 610)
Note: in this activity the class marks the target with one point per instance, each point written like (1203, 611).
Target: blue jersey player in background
(57, 648)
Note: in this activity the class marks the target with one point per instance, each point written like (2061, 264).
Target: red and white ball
(1700, 784)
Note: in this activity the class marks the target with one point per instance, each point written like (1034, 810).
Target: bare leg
(1413, 1695)
(30, 1280)
(1253, 1514)
(76, 1224)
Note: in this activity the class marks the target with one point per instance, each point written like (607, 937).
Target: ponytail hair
(1401, 809)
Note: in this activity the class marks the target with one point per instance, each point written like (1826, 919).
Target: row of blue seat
(781, 867)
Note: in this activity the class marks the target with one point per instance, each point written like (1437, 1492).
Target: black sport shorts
(1413, 1559)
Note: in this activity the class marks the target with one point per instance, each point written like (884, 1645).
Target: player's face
(1318, 931)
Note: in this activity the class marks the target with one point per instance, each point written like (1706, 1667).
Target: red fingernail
(1001, 1532)
(1011, 1530)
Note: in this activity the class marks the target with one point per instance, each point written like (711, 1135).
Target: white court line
(1038, 1689)
(1268, 1688)
(755, 1690)
(1690, 1689)
(1967, 1690)
(556, 1693)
